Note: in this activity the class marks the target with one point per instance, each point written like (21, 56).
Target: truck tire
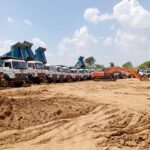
(5, 82)
(61, 80)
(49, 80)
(37, 80)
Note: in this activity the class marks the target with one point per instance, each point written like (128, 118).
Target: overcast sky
(109, 30)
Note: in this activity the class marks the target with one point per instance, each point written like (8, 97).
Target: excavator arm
(108, 74)
(123, 70)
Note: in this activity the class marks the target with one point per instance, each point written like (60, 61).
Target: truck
(60, 74)
(15, 72)
(85, 74)
(52, 73)
(36, 72)
(1, 74)
(68, 77)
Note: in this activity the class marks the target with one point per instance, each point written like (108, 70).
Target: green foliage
(112, 64)
(127, 65)
(90, 60)
(144, 65)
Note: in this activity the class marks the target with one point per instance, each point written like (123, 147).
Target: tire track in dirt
(107, 125)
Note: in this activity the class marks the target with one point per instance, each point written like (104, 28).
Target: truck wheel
(37, 80)
(49, 80)
(61, 80)
(70, 79)
(5, 82)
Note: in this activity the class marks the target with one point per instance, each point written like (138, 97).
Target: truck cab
(74, 74)
(67, 74)
(36, 71)
(1, 73)
(52, 72)
(61, 74)
(85, 74)
(15, 72)
(48, 73)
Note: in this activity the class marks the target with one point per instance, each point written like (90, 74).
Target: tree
(112, 64)
(90, 60)
(144, 65)
(127, 65)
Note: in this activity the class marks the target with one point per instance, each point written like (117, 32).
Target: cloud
(9, 19)
(131, 39)
(5, 46)
(130, 42)
(82, 43)
(38, 43)
(79, 44)
(132, 14)
(108, 41)
(93, 15)
(127, 12)
(28, 22)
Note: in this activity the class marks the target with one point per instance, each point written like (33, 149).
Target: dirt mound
(5, 108)
(84, 115)
(31, 111)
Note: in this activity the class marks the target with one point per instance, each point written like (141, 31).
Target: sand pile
(30, 111)
(84, 116)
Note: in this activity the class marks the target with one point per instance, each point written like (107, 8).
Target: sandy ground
(76, 116)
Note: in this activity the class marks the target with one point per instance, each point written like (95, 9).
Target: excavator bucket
(144, 78)
(40, 55)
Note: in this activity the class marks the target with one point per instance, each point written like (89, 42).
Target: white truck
(74, 74)
(52, 72)
(36, 72)
(48, 73)
(61, 74)
(15, 72)
(68, 76)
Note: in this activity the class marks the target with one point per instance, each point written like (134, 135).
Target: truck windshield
(59, 69)
(67, 70)
(19, 65)
(39, 66)
(53, 69)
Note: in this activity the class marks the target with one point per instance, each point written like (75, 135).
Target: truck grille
(20, 75)
(41, 75)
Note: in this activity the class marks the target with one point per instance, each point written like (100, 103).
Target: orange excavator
(108, 75)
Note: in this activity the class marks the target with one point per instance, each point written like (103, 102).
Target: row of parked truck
(15, 72)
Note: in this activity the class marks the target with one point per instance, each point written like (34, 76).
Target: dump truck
(60, 74)
(68, 77)
(1, 74)
(36, 72)
(48, 73)
(15, 72)
(74, 74)
(53, 72)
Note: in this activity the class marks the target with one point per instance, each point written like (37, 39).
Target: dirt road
(76, 116)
